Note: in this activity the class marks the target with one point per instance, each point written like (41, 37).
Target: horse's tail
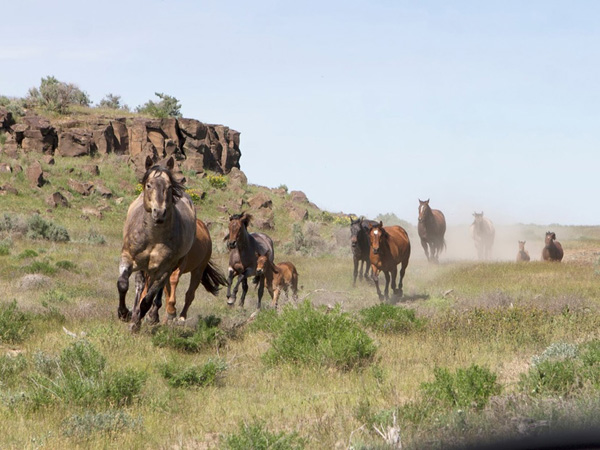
(213, 278)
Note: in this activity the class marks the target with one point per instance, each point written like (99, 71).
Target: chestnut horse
(483, 233)
(244, 249)
(432, 227)
(159, 231)
(523, 255)
(359, 242)
(280, 276)
(390, 246)
(202, 270)
(553, 251)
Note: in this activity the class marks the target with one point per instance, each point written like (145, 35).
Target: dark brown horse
(244, 249)
(390, 246)
(553, 251)
(359, 241)
(202, 270)
(432, 227)
(159, 231)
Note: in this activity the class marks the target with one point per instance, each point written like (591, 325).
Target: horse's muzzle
(159, 215)
(375, 251)
(231, 245)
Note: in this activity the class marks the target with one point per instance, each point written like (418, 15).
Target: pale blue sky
(365, 106)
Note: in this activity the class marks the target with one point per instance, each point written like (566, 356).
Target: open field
(506, 319)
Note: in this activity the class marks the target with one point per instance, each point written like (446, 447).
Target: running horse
(359, 241)
(389, 246)
(159, 232)
(244, 250)
(432, 227)
(483, 233)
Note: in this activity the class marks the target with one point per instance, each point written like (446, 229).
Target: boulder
(48, 159)
(81, 188)
(192, 128)
(297, 212)
(35, 175)
(92, 169)
(6, 119)
(8, 189)
(260, 200)
(104, 139)
(17, 168)
(57, 199)
(298, 197)
(76, 142)
(10, 147)
(237, 177)
(36, 141)
(5, 168)
(264, 220)
(103, 191)
(121, 135)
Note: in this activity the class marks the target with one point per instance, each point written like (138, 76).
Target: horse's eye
(148, 186)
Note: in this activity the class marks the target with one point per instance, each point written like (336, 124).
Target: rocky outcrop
(195, 145)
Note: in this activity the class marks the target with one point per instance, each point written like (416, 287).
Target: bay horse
(244, 250)
(432, 227)
(158, 232)
(483, 233)
(281, 276)
(359, 241)
(553, 251)
(523, 255)
(389, 246)
(202, 270)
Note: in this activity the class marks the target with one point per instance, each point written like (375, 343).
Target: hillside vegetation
(473, 352)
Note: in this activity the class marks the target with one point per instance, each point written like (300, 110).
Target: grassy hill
(474, 351)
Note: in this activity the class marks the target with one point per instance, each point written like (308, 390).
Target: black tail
(213, 278)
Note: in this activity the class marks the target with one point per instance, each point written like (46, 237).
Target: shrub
(56, 96)
(465, 388)
(111, 101)
(386, 318)
(168, 106)
(38, 228)
(255, 436)
(217, 181)
(123, 386)
(95, 238)
(194, 195)
(82, 359)
(12, 223)
(66, 265)
(109, 422)
(28, 253)
(15, 325)
(180, 376)
(40, 267)
(13, 105)
(205, 335)
(318, 337)
(5, 248)
(10, 368)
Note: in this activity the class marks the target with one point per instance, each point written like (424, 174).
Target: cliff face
(195, 145)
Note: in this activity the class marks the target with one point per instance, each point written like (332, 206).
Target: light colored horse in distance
(432, 228)
(483, 233)
(158, 233)
(523, 255)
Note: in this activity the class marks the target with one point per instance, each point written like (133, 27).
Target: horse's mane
(247, 217)
(177, 187)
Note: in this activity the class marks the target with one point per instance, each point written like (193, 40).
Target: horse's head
(161, 190)
(522, 246)
(478, 216)
(263, 264)
(550, 236)
(376, 235)
(424, 209)
(355, 227)
(237, 226)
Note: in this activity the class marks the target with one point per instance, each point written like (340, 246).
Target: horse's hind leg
(394, 276)
(244, 289)
(261, 290)
(402, 271)
(125, 269)
(171, 289)
(231, 295)
(195, 279)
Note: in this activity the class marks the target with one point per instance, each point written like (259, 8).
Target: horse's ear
(170, 163)
(246, 219)
(149, 162)
(380, 224)
(427, 201)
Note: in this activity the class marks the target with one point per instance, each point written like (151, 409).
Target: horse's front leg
(400, 284)
(394, 276)
(244, 290)
(125, 269)
(356, 271)
(231, 295)
(387, 284)
(171, 288)
(367, 267)
(375, 277)
(141, 308)
(425, 248)
(261, 289)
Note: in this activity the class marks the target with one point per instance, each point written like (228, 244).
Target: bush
(167, 107)
(13, 105)
(95, 238)
(256, 437)
(205, 335)
(465, 388)
(318, 337)
(81, 359)
(123, 386)
(11, 367)
(15, 325)
(112, 101)
(180, 376)
(56, 96)
(66, 265)
(5, 248)
(40, 267)
(386, 318)
(83, 425)
(28, 253)
(38, 228)
(217, 181)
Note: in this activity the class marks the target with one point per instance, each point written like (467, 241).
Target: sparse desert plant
(11, 368)
(5, 246)
(257, 437)
(56, 96)
(386, 318)
(122, 387)
(206, 334)
(318, 337)
(43, 267)
(84, 425)
(28, 253)
(15, 325)
(464, 388)
(110, 101)
(95, 238)
(12, 223)
(168, 106)
(217, 181)
(13, 105)
(186, 376)
(39, 228)
(66, 265)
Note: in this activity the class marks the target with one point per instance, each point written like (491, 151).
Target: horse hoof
(134, 327)
(171, 316)
(124, 315)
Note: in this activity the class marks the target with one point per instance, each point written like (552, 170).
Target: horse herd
(163, 239)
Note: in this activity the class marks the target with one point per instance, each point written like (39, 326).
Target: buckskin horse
(158, 232)
(244, 250)
(359, 241)
(389, 246)
(553, 251)
(432, 227)
(483, 233)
